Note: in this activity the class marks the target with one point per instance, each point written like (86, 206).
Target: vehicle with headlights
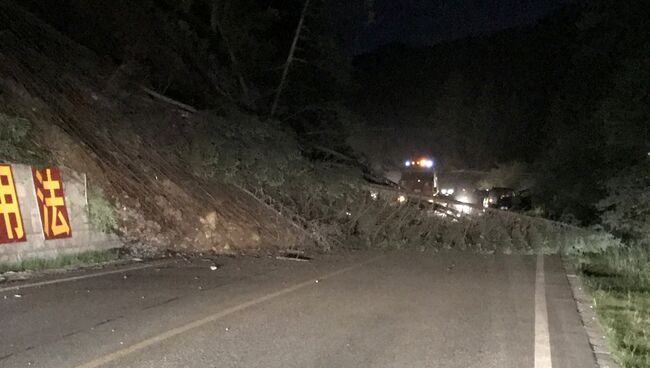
(463, 193)
(419, 176)
(447, 192)
(460, 185)
(500, 198)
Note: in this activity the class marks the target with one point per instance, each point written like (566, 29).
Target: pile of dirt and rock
(124, 137)
(223, 180)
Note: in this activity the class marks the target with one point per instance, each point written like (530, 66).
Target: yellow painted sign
(11, 222)
(51, 203)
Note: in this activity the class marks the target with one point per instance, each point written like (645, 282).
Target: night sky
(426, 22)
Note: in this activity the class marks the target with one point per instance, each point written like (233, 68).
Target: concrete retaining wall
(83, 238)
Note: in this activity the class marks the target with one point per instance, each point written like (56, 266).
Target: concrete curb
(51, 276)
(584, 303)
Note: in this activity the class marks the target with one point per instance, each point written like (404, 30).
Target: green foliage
(63, 261)
(329, 199)
(626, 318)
(626, 209)
(101, 212)
(14, 138)
(13, 130)
(388, 223)
(264, 157)
(619, 280)
(599, 117)
(247, 151)
(630, 264)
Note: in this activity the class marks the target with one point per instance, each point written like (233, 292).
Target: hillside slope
(95, 121)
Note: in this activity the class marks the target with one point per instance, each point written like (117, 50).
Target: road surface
(360, 309)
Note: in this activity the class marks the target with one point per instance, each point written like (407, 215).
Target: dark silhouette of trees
(568, 97)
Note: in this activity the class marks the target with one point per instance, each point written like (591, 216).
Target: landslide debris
(127, 142)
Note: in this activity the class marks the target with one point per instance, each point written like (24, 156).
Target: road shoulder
(570, 345)
(584, 304)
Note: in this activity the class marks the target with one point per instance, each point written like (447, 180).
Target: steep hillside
(96, 122)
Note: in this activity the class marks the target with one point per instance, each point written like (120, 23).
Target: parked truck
(419, 176)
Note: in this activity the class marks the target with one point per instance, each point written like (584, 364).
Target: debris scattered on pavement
(15, 276)
(293, 256)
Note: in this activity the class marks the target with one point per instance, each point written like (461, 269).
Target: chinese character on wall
(51, 203)
(11, 222)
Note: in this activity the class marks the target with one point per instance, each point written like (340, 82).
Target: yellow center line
(110, 357)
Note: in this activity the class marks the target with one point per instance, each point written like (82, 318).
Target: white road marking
(111, 357)
(542, 336)
(81, 277)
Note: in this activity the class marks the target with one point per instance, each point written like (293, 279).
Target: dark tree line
(285, 58)
(600, 116)
(568, 96)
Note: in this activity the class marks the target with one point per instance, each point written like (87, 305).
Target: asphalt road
(362, 309)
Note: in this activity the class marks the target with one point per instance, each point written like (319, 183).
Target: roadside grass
(619, 280)
(63, 261)
(101, 212)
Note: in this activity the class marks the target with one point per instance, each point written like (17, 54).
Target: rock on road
(359, 309)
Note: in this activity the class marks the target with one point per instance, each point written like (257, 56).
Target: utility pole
(292, 50)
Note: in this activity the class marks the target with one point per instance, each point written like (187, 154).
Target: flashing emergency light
(425, 163)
